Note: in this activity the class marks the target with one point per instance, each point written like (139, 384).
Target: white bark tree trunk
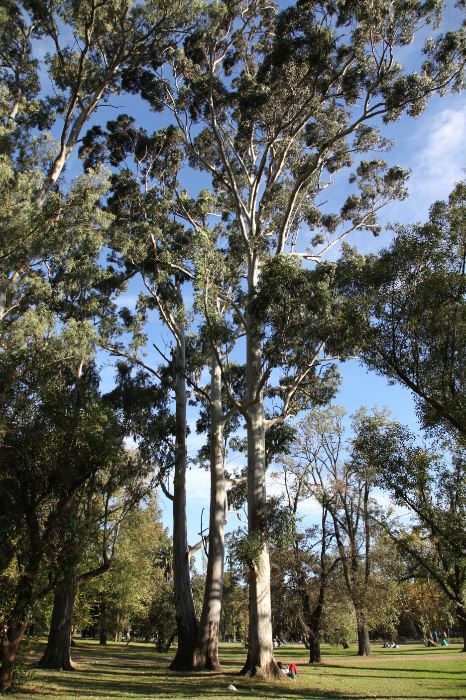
(210, 617)
(260, 660)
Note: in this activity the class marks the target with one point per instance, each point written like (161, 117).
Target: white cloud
(441, 159)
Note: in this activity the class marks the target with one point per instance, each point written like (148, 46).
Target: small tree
(434, 490)
(341, 480)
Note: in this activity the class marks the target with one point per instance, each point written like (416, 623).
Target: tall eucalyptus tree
(163, 236)
(272, 106)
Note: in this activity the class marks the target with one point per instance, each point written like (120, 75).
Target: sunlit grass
(120, 671)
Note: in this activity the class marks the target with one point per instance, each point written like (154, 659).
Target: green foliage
(412, 297)
(157, 622)
(338, 620)
(126, 590)
(433, 488)
(235, 601)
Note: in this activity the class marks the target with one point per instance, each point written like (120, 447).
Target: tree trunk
(461, 614)
(9, 649)
(18, 621)
(57, 654)
(3, 288)
(210, 617)
(186, 620)
(364, 646)
(315, 655)
(312, 617)
(260, 659)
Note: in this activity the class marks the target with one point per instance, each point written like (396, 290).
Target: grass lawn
(118, 672)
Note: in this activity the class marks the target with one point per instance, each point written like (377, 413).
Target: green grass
(120, 672)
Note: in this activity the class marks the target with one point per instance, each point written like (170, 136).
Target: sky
(433, 147)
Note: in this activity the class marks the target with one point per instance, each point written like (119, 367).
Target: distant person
(434, 636)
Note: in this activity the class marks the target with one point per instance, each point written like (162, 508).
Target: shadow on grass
(140, 672)
(105, 680)
(365, 672)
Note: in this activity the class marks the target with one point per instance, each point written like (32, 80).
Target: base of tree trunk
(207, 657)
(461, 614)
(315, 656)
(209, 665)
(8, 651)
(56, 664)
(207, 646)
(268, 672)
(183, 667)
(185, 660)
(364, 645)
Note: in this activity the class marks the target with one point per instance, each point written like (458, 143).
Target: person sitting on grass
(291, 671)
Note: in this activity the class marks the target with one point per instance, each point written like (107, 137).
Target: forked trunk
(57, 654)
(260, 659)
(210, 617)
(364, 645)
(186, 620)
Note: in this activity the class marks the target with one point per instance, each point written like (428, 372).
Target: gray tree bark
(210, 617)
(364, 645)
(186, 620)
(57, 653)
(260, 659)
